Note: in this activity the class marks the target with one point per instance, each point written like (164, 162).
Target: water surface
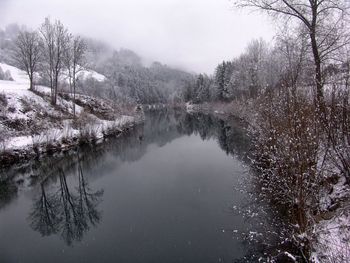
(162, 193)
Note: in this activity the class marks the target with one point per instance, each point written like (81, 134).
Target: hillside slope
(29, 122)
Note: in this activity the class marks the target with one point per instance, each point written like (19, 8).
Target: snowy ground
(333, 241)
(27, 118)
(84, 74)
(332, 234)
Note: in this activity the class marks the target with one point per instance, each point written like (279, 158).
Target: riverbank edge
(330, 218)
(220, 111)
(13, 157)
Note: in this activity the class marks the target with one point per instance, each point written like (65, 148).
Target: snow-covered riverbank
(30, 125)
(328, 232)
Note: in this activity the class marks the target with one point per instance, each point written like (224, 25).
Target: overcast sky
(192, 34)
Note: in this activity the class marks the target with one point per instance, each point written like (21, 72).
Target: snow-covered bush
(67, 134)
(2, 74)
(3, 106)
(286, 152)
(301, 154)
(7, 75)
(88, 133)
(2, 142)
(3, 100)
(37, 140)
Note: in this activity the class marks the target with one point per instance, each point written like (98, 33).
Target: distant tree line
(129, 79)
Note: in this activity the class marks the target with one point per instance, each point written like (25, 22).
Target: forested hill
(127, 79)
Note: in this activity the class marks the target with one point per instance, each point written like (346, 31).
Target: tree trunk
(318, 73)
(320, 102)
(31, 87)
(74, 96)
(56, 89)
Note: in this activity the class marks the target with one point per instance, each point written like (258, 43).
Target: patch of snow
(189, 107)
(85, 74)
(18, 75)
(99, 128)
(290, 256)
(6, 85)
(43, 89)
(19, 142)
(333, 240)
(332, 237)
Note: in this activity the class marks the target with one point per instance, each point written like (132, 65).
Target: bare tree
(27, 53)
(74, 62)
(54, 42)
(324, 21)
(291, 49)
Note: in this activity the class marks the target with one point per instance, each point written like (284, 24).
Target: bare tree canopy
(27, 53)
(54, 43)
(325, 22)
(74, 61)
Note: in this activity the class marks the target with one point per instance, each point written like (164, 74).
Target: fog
(194, 35)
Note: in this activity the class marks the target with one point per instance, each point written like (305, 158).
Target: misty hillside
(119, 75)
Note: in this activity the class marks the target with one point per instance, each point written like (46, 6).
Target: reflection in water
(69, 212)
(164, 126)
(66, 212)
(44, 216)
(8, 191)
(161, 127)
(229, 133)
(65, 205)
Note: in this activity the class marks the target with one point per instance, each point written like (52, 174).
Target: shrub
(7, 75)
(11, 109)
(16, 124)
(26, 106)
(2, 74)
(3, 100)
(287, 136)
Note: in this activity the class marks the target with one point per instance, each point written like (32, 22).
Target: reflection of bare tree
(70, 213)
(69, 223)
(88, 200)
(44, 214)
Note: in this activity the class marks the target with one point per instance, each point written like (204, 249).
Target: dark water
(162, 193)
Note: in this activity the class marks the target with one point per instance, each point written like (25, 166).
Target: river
(172, 190)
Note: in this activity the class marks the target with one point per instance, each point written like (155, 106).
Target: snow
(43, 89)
(6, 85)
(85, 74)
(290, 256)
(19, 76)
(19, 142)
(332, 237)
(18, 92)
(67, 132)
(25, 105)
(20, 79)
